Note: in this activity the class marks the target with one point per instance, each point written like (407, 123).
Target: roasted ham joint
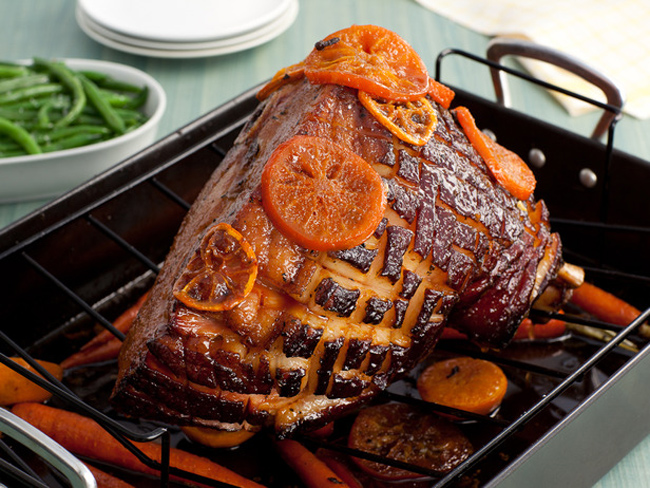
(356, 216)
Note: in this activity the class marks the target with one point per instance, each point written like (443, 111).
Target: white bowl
(51, 174)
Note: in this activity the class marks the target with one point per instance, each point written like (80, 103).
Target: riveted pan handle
(503, 46)
(68, 465)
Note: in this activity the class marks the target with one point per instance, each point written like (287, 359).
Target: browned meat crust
(322, 332)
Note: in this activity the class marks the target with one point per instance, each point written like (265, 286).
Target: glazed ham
(321, 332)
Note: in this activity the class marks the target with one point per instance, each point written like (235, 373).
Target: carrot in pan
(339, 468)
(85, 437)
(105, 480)
(105, 345)
(606, 307)
(16, 388)
(531, 330)
(312, 471)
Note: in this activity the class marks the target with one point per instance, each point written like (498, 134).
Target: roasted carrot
(105, 480)
(105, 345)
(605, 306)
(531, 330)
(464, 383)
(323, 432)
(16, 388)
(311, 470)
(339, 468)
(85, 437)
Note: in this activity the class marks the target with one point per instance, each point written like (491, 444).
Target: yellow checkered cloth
(612, 36)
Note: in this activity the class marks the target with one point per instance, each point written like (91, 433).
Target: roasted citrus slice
(285, 75)
(322, 195)
(403, 433)
(440, 93)
(217, 438)
(412, 122)
(220, 274)
(464, 383)
(510, 171)
(372, 59)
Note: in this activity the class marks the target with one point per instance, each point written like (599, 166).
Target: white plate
(180, 50)
(51, 174)
(261, 33)
(183, 20)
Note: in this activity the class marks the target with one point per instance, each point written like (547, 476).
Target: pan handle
(502, 46)
(72, 468)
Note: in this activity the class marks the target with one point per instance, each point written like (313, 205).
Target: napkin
(612, 36)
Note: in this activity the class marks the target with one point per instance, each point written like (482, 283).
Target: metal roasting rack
(85, 257)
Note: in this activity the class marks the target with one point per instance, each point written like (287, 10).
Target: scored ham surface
(322, 332)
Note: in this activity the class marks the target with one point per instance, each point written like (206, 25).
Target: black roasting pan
(85, 257)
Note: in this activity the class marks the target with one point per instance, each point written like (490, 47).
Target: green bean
(18, 115)
(90, 119)
(31, 92)
(48, 107)
(139, 100)
(8, 70)
(76, 140)
(43, 117)
(7, 144)
(103, 107)
(20, 135)
(36, 103)
(64, 132)
(107, 82)
(115, 99)
(12, 153)
(71, 81)
(121, 100)
(22, 82)
(131, 116)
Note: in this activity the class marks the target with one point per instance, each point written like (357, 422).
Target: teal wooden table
(47, 28)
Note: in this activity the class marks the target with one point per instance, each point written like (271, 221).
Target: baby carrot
(16, 388)
(311, 470)
(341, 470)
(105, 345)
(85, 437)
(604, 305)
(105, 480)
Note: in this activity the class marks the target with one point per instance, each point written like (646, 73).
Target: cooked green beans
(19, 135)
(103, 107)
(47, 106)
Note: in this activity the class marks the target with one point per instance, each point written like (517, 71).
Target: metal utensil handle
(72, 468)
(503, 46)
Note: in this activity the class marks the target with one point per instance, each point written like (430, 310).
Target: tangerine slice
(221, 272)
(510, 171)
(372, 59)
(412, 122)
(282, 77)
(321, 195)
(404, 433)
(217, 438)
(464, 383)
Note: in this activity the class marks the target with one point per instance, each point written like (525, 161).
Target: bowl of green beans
(62, 122)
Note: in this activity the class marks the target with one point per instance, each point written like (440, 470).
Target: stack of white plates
(187, 28)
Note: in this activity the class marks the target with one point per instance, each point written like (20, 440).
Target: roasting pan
(78, 262)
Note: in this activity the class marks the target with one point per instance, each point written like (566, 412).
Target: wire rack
(108, 245)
